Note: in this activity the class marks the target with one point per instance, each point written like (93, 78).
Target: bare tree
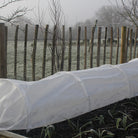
(57, 18)
(108, 17)
(56, 13)
(18, 12)
(129, 10)
(40, 16)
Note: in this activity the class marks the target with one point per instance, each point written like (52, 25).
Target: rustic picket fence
(126, 41)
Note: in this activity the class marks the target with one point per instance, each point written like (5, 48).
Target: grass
(39, 57)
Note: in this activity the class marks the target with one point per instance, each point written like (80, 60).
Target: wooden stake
(123, 45)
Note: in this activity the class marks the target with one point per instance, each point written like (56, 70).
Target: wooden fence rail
(65, 53)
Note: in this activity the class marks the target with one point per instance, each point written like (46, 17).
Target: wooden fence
(127, 42)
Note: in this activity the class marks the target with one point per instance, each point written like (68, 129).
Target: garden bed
(119, 120)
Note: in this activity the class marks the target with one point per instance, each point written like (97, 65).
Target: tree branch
(8, 3)
(129, 10)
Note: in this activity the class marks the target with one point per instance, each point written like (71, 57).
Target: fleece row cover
(64, 95)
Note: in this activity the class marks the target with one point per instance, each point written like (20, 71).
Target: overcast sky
(74, 10)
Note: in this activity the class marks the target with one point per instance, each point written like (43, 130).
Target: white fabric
(28, 105)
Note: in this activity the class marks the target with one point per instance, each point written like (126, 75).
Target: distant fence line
(58, 57)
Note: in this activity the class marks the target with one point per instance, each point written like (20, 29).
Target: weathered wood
(70, 49)
(34, 52)
(78, 48)
(5, 59)
(111, 45)
(53, 50)
(44, 51)
(123, 45)
(85, 50)
(135, 43)
(127, 43)
(25, 51)
(3, 51)
(91, 47)
(131, 43)
(63, 48)
(15, 51)
(105, 40)
(117, 50)
(98, 46)
(124, 49)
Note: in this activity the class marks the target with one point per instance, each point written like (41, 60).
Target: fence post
(127, 42)
(85, 50)
(131, 43)
(70, 49)
(91, 47)
(117, 51)
(123, 45)
(135, 43)
(53, 50)
(98, 46)
(78, 48)
(105, 39)
(34, 52)
(45, 51)
(111, 46)
(25, 51)
(3, 51)
(63, 48)
(15, 51)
